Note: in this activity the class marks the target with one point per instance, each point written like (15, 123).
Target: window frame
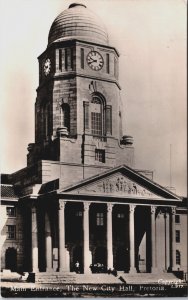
(177, 235)
(11, 215)
(11, 234)
(99, 219)
(100, 155)
(177, 219)
(178, 257)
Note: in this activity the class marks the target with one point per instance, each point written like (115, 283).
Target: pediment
(123, 182)
(116, 184)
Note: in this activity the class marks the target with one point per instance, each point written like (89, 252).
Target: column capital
(109, 207)
(62, 204)
(173, 210)
(153, 209)
(86, 205)
(132, 208)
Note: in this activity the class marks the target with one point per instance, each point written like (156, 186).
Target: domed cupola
(78, 22)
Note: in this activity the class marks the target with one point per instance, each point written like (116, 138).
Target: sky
(150, 36)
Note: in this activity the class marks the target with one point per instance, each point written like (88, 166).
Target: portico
(90, 229)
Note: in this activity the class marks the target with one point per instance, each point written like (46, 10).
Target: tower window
(177, 219)
(100, 155)
(100, 219)
(11, 211)
(82, 58)
(60, 59)
(72, 58)
(107, 63)
(178, 257)
(177, 236)
(96, 123)
(11, 233)
(66, 59)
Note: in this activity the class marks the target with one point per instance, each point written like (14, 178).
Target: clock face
(47, 66)
(95, 60)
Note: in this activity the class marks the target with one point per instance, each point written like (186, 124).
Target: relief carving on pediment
(120, 185)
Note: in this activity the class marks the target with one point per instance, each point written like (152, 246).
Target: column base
(132, 270)
(154, 270)
(49, 270)
(36, 270)
(88, 271)
(63, 270)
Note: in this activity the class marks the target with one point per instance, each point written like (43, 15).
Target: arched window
(65, 116)
(178, 257)
(97, 116)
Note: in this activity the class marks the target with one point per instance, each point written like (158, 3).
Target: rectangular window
(177, 219)
(82, 58)
(100, 155)
(177, 236)
(108, 119)
(120, 216)
(79, 214)
(11, 211)
(107, 63)
(178, 257)
(96, 123)
(11, 234)
(86, 115)
(100, 219)
(66, 59)
(60, 59)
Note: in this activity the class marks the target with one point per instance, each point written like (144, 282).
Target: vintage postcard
(93, 180)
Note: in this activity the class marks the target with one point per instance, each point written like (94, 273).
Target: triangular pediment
(116, 184)
(122, 182)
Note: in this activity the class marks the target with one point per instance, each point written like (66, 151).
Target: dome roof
(78, 22)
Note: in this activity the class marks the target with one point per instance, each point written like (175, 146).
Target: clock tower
(78, 113)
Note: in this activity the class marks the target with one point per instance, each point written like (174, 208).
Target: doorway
(77, 257)
(122, 259)
(11, 259)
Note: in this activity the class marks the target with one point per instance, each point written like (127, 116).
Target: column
(153, 240)
(131, 239)
(110, 264)
(87, 253)
(173, 239)
(48, 242)
(167, 260)
(63, 266)
(34, 240)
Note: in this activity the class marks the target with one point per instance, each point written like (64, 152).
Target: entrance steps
(73, 278)
(147, 278)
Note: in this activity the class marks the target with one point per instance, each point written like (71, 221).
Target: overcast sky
(151, 38)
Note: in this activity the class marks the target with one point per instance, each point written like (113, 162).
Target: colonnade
(87, 257)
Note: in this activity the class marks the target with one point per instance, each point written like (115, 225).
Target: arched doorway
(77, 256)
(100, 256)
(122, 259)
(11, 259)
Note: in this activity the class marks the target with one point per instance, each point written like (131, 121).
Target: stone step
(75, 278)
(145, 278)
